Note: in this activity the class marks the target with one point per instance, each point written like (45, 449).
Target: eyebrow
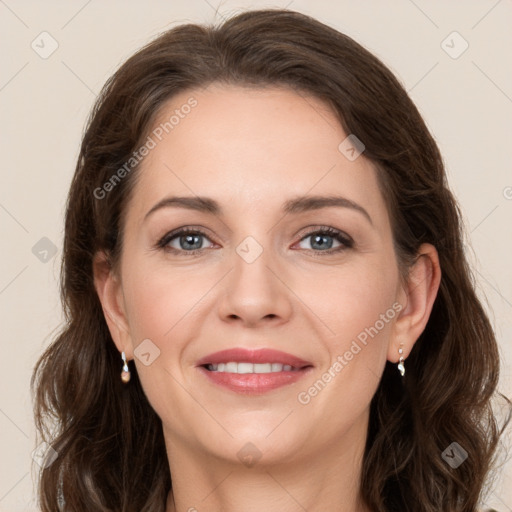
(295, 205)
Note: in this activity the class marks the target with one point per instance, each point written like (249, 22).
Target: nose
(255, 293)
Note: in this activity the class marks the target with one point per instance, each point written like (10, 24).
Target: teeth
(233, 367)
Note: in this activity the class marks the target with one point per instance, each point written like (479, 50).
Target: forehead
(256, 146)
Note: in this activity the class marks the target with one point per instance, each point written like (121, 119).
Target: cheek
(352, 299)
(356, 303)
(357, 306)
(162, 306)
(158, 300)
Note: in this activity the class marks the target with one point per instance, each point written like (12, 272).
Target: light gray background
(466, 102)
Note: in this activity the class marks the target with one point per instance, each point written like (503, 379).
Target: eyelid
(318, 228)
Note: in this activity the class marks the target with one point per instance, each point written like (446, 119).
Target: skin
(251, 150)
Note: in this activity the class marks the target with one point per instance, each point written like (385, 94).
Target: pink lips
(254, 383)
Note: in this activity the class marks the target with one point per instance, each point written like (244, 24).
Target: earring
(401, 367)
(125, 374)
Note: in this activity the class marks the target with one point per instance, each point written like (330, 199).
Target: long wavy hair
(110, 452)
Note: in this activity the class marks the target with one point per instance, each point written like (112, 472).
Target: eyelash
(344, 239)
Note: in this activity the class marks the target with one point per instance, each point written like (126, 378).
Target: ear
(417, 299)
(110, 292)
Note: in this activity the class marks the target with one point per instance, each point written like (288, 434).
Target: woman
(268, 304)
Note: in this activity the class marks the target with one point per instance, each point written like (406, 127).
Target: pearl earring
(401, 367)
(125, 374)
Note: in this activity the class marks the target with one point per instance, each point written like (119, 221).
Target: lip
(261, 355)
(254, 383)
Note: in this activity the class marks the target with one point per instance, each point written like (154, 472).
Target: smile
(253, 371)
(233, 367)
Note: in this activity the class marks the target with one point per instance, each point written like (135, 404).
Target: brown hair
(111, 454)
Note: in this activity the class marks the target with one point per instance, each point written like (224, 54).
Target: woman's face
(264, 275)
